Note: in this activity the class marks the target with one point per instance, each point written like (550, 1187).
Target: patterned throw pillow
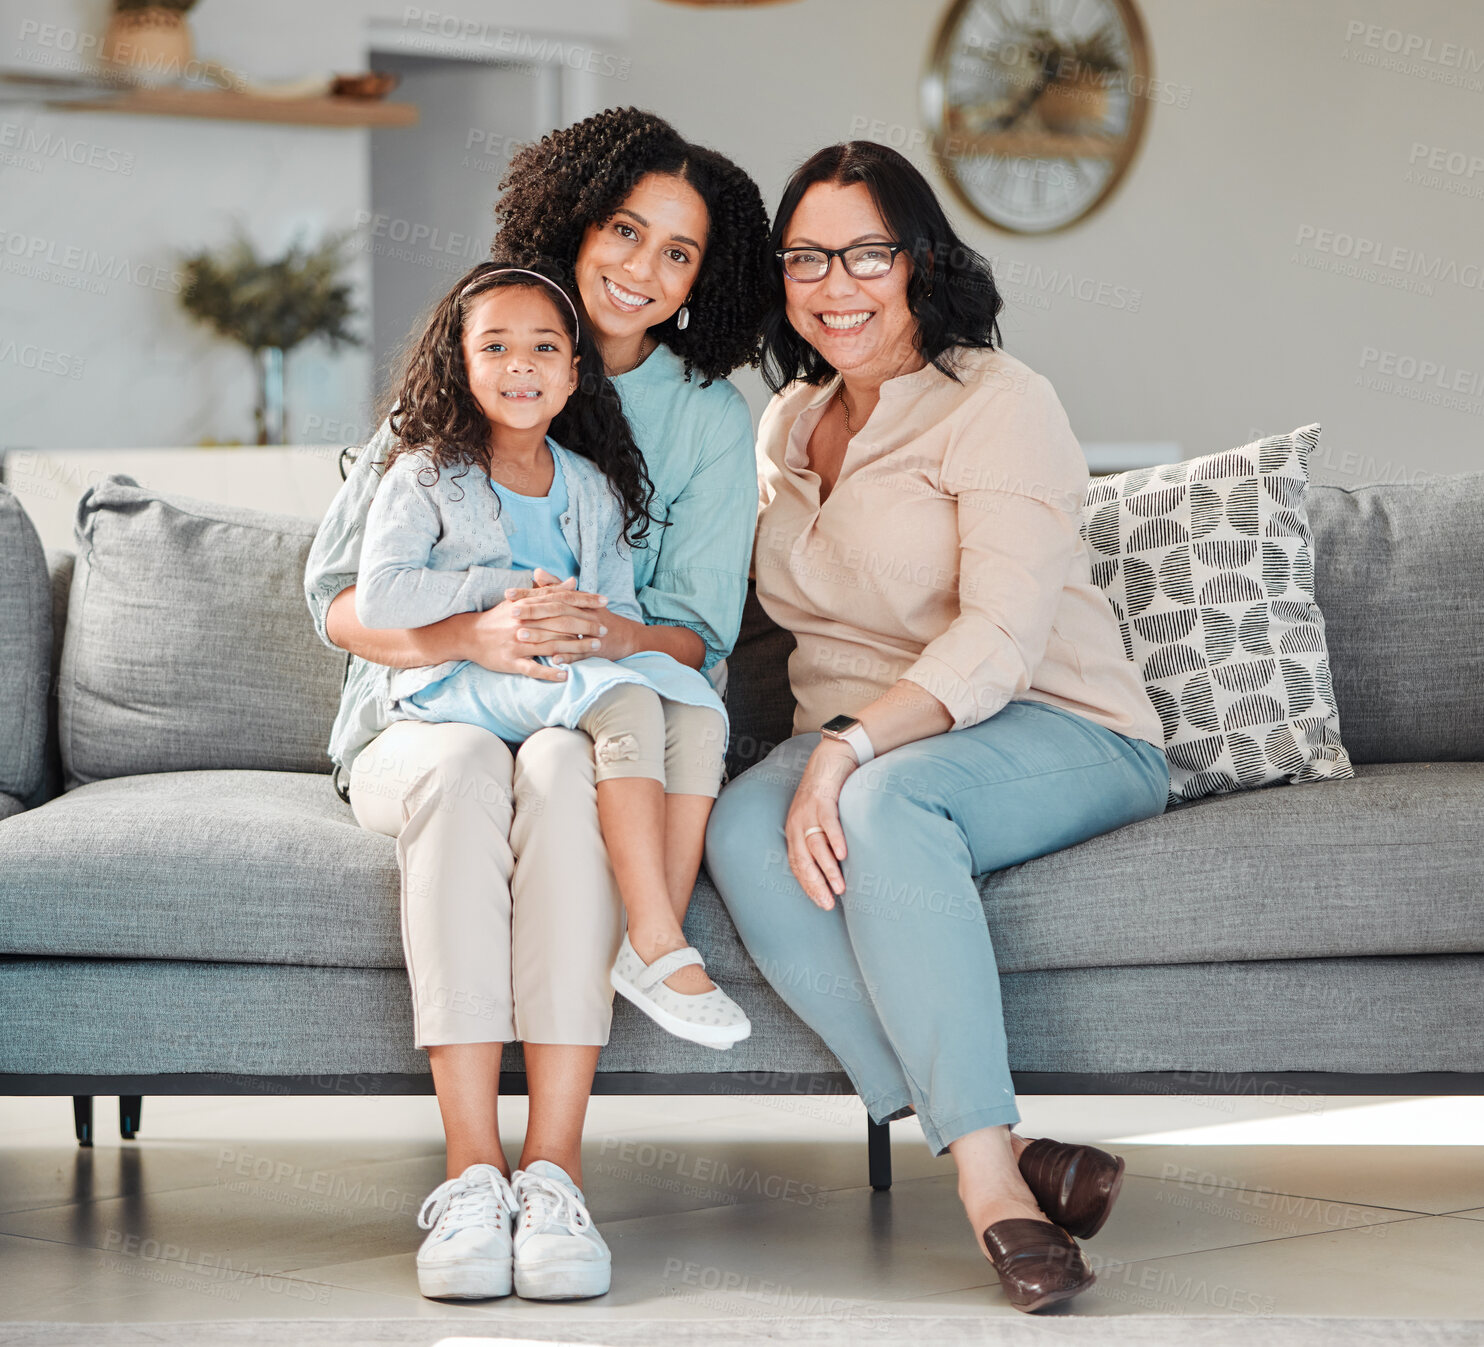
(1209, 564)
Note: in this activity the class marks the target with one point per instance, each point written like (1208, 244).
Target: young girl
(514, 459)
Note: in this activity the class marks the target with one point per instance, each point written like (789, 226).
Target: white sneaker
(559, 1254)
(468, 1254)
(709, 1018)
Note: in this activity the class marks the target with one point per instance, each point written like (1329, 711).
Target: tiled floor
(739, 1208)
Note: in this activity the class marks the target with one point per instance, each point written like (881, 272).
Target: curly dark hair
(431, 406)
(951, 291)
(579, 176)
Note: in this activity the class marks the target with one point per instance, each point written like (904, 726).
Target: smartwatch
(852, 732)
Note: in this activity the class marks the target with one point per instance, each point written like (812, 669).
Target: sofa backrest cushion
(25, 653)
(60, 562)
(1399, 575)
(760, 702)
(188, 645)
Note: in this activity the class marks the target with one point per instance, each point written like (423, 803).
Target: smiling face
(519, 356)
(637, 269)
(865, 329)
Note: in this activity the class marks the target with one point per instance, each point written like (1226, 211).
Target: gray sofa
(186, 905)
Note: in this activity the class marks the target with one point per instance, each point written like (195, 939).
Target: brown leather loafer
(1075, 1186)
(1038, 1262)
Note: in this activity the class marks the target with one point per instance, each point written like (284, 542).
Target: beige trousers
(511, 919)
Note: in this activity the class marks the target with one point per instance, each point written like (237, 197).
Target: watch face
(837, 724)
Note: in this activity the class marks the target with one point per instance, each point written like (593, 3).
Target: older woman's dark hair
(559, 185)
(951, 291)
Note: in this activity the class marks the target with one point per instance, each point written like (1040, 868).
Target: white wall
(93, 362)
(151, 374)
(1233, 335)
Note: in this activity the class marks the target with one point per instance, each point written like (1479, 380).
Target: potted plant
(1077, 93)
(149, 40)
(1064, 79)
(271, 306)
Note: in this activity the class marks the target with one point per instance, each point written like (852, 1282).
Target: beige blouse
(948, 553)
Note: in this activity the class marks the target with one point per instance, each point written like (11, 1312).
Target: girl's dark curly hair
(559, 185)
(951, 291)
(434, 409)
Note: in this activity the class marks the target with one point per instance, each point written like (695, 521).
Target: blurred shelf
(229, 106)
(293, 479)
(1035, 145)
(103, 92)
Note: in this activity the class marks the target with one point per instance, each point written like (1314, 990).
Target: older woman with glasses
(964, 702)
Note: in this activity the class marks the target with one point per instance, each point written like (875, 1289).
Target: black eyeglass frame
(782, 255)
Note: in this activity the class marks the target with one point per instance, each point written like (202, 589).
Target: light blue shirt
(533, 525)
(698, 446)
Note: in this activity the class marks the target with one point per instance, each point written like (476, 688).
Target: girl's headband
(505, 271)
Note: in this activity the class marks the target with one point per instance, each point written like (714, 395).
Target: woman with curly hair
(511, 918)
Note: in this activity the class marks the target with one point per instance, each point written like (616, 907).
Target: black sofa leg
(878, 1154)
(129, 1107)
(82, 1118)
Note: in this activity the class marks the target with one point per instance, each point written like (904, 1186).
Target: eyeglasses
(864, 261)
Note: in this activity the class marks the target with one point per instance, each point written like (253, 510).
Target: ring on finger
(809, 832)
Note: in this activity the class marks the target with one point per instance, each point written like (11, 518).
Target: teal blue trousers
(899, 978)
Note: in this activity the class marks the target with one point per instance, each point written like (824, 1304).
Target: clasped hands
(553, 618)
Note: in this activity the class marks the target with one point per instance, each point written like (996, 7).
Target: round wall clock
(1036, 107)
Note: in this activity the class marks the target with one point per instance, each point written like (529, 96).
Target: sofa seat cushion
(231, 866)
(270, 867)
(1389, 862)
(227, 867)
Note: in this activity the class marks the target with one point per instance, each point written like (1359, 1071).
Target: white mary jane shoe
(711, 1018)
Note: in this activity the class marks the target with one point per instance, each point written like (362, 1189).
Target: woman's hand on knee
(814, 856)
